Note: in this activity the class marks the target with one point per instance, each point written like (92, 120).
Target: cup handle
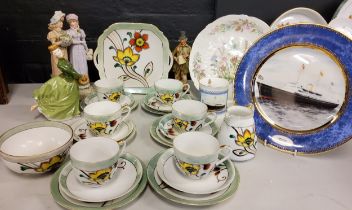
(128, 113)
(122, 150)
(212, 116)
(185, 92)
(227, 156)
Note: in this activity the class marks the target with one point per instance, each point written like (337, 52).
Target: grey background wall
(23, 24)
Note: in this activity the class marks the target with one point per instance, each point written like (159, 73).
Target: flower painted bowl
(37, 147)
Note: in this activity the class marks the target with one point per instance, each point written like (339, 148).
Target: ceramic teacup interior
(189, 110)
(196, 144)
(35, 141)
(171, 85)
(240, 112)
(102, 108)
(94, 150)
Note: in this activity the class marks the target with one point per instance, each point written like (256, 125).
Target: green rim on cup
(192, 202)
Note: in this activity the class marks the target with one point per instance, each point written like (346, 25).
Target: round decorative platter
(138, 53)
(298, 78)
(298, 15)
(219, 47)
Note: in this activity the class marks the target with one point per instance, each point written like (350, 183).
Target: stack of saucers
(187, 115)
(167, 91)
(98, 176)
(191, 183)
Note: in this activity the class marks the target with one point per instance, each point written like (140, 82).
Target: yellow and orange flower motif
(52, 163)
(98, 126)
(246, 140)
(180, 123)
(126, 57)
(114, 96)
(100, 176)
(139, 41)
(167, 98)
(189, 168)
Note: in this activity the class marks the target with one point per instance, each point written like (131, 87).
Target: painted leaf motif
(148, 69)
(124, 77)
(239, 152)
(111, 48)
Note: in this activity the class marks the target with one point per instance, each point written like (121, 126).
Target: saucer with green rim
(69, 203)
(169, 193)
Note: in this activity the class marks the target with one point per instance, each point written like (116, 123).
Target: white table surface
(273, 180)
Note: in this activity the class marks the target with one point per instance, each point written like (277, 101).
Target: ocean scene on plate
(300, 88)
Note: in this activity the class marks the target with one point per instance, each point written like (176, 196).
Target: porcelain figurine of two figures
(58, 98)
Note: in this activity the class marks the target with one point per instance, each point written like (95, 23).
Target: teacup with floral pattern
(169, 91)
(190, 115)
(95, 160)
(103, 117)
(197, 154)
(109, 89)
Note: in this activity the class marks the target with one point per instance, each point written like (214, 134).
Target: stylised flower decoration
(180, 123)
(114, 96)
(246, 140)
(126, 57)
(52, 163)
(189, 168)
(167, 98)
(139, 41)
(98, 126)
(100, 175)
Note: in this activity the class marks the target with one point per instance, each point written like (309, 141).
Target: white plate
(342, 25)
(81, 130)
(126, 179)
(298, 15)
(218, 49)
(344, 10)
(149, 63)
(169, 131)
(218, 180)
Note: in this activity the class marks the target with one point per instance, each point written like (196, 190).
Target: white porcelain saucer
(342, 25)
(125, 100)
(167, 128)
(128, 176)
(218, 180)
(81, 130)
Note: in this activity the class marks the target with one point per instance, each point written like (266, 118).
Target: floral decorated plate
(219, 179)
(168, 130)
(344, 10)
(219, 47)
(149, 110)
(342, 25)
(125, 100)
(128, 176)
(298, 78)
(177, 196)
(138, 53)
(70, 203)
(81, 131)
(298, 15)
